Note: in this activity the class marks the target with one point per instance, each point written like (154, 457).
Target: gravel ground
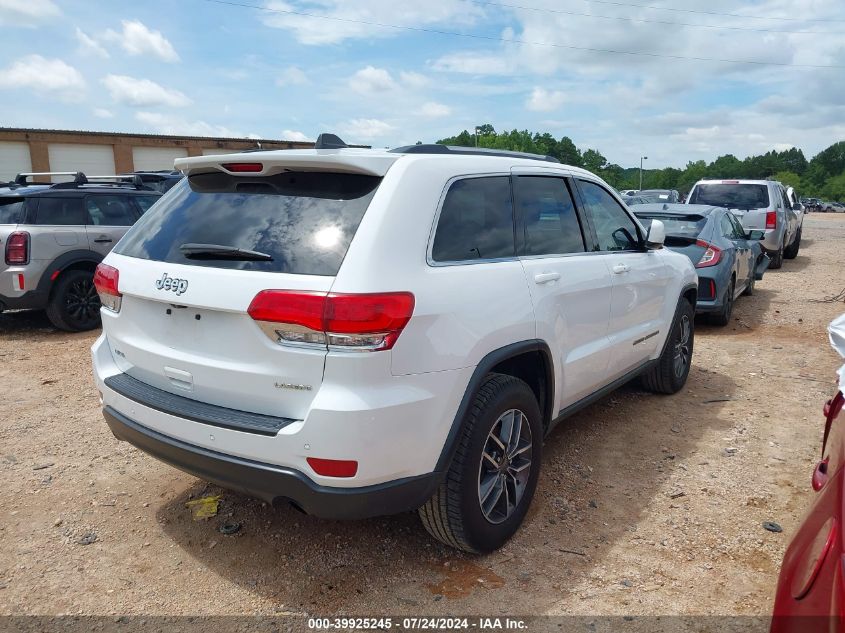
(646, 505)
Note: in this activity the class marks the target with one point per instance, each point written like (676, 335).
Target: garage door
(14, 158)
(92, 160)
(156, 158)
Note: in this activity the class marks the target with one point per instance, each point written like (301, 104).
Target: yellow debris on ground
(203, 508)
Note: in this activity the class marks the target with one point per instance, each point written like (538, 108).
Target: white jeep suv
(362, 333)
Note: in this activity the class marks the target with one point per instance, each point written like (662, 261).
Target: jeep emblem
(174, 285)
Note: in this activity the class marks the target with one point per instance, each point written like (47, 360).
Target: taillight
(106, 280)
(711, 255)
(771, 219)
(17, 248)
(249, 168)
(356, 322)
(333, 467)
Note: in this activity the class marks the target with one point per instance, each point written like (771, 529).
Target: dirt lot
(646, 504)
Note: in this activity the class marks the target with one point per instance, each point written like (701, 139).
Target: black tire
(74, 305)
(668, 375)
(454, 514)
(776, 258)
(791, 252)
(723, 317)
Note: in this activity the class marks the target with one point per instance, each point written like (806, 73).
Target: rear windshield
(11, 210)
(304, 221)
(731, 196)
(680, 225)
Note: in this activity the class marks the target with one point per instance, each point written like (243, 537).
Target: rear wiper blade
(221, 251)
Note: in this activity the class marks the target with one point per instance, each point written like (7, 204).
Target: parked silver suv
(54, 235)
(760, 205)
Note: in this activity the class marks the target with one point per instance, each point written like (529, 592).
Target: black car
(161, 181)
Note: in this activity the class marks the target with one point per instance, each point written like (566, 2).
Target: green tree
(789, 179)
(593, 161)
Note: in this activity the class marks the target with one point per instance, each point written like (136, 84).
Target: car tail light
(711, 255)
(771, 219)
(106, 280)
(243, 167)
(355, 322)
(17, 248)
(333, 467)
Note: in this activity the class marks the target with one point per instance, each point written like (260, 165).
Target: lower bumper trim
(276, 484)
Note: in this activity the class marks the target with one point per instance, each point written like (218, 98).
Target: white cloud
(102, 113)
(371, 80)
(413, 80)
(348, 20)
(177, 126)
(142, 92)
(137, 39)
(293, 135)
(89, 46)
(434, 110)
(542, 100)
(27, 12)
(366, 129)
(48, 76)
(291, 76)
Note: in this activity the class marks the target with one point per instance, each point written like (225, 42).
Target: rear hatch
(685, 232)
(190, 268)
(749, 201)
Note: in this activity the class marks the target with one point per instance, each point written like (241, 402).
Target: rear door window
(145, 202)
(548, 219)
(110, 210)
(60, 211)
(304, 221)
(476, 221)
(11, 210)
(731, 196)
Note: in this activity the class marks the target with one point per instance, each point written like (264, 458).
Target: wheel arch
(530, 361)
(72, 260)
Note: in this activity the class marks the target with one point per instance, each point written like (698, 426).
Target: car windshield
(681, 225)
(303, 222)
(11, 210)
(731, 195)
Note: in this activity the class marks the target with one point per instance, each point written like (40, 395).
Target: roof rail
(131, 180)
(433, 148)
(21, 178)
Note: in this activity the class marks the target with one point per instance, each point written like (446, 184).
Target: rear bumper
(32, 300)
(276, 484)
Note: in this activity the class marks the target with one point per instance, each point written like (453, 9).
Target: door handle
(103, 239)
(621, 268)
(544, 278)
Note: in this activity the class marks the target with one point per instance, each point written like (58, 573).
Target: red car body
(811, 589)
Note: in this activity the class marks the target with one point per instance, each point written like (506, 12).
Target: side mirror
(755, 235)
(797, 206)
(656, 235)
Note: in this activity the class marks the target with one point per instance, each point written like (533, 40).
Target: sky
(678, 87)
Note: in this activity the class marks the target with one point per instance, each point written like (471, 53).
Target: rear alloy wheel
(724, 317)
(792, 251)
(485, 495)
(74, 305)
(669, 374)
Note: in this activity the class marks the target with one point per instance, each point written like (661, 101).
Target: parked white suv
(365, 332)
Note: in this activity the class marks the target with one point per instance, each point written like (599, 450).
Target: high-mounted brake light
(243, 167)
(106, 280)
(17, 248)
(771, 219)
(711, 255)
(730, 182)
(333, 467)
(355, 322)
